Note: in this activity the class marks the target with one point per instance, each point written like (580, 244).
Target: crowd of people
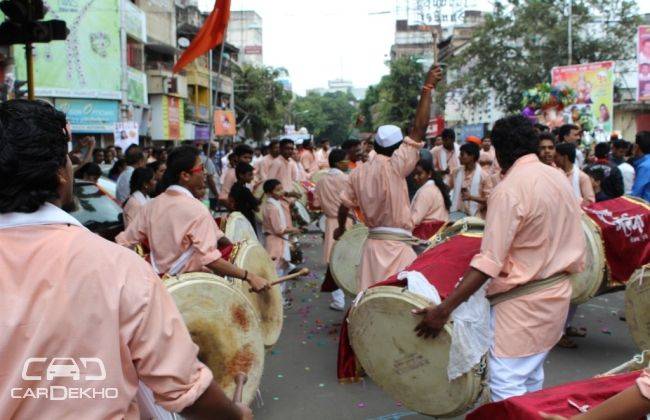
(526, 182)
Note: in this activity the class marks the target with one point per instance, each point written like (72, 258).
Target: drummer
(80, 295)
(285, 169)
(470, 183)
(242, 153)
(547, 148)
(264, 164)
(565, 158)
(179, 229)
(323, 153)
(327, 197)
(446, 157)
(355, 151)
(277, 225)
(534, 233)
(431, 201)
(379, 188)
(308, 159)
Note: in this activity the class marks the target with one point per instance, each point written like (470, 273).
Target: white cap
(298, 142)
(388, 135)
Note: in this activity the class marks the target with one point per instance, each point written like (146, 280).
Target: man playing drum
(379, 188)
(71, 296)
(532, 241)
(178, 228)
(285, 169)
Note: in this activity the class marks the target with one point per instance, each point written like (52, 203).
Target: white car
(63, 367)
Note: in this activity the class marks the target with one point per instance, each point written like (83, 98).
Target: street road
(300, 372)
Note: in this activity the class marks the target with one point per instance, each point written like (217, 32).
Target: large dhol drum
(297, 187)
(410, 369)
(224, 325)
(585, 285)
(301, 216)
(238, 228)
(251, 256)
(637, 307)
(346, 258)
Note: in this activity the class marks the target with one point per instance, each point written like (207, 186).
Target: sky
(317, 41)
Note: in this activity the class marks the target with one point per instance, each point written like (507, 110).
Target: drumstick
(240, 380)
(302, 272)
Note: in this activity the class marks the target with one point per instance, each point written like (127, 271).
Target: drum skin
(238, 228)
(586, 284)
(346, 258)
(224, 325)
(408, 368)
(319, 175)
(637, 307)
(322, 221)
(251, 256)
(297, 187)
(304, 218)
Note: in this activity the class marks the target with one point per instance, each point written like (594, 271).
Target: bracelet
(245, 275)
(428, 87)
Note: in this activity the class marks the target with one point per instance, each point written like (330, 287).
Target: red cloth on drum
(329, 285)
(442, 266)
(554, 400)
(427, 229)
(310, 187)
(226, 251)
(625, 227)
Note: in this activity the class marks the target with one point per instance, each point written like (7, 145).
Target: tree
(327, 116)
(522, 40)
(395, 98)
(261, 100)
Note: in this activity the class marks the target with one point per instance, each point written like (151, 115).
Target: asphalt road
(300, 371)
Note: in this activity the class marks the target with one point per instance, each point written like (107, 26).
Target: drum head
(410, 369)
(322, 222)
(586, 284)
(251, 256)
(637, 307)
(467, 226)
(297, 187)
(303, 213)
(239, 229)
(319, 175)
(346, 258)
(223, 323)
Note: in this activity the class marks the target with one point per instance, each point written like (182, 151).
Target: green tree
(394, 99)
(522, 40)
(327, 116)
(261, 101)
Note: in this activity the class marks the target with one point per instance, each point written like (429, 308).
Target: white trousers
(338, 297)
(514, 376)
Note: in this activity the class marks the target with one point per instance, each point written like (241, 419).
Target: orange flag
(211, 34)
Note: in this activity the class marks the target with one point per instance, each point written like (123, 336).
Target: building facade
(245, 33)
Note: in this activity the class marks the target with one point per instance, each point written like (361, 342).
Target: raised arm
(422, 114)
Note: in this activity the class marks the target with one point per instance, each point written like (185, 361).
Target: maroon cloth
(329, 285)
(426, 230)
(310, 188)
(442, 266)
(554, 400)
(226, 251)
(625, 228)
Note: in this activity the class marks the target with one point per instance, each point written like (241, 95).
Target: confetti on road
(361, 405)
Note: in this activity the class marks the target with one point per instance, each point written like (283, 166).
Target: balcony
(161, 81)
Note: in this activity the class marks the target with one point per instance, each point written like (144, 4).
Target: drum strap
(528, 288)
(393, 234)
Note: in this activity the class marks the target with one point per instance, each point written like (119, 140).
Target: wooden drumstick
(240, 381)
(302, 272)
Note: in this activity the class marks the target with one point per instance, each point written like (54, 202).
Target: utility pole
(570, 35)
(29, 59)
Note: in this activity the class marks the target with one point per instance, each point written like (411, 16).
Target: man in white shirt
(619, 150)
(134, 159)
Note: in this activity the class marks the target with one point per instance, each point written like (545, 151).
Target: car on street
(96, 210)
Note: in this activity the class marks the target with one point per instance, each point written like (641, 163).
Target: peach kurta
(379, 188)
(309, 163)
(322, 158)
(534, 233)
(132, 207)
(171, 224)
(81, 296)
(488, 161)
(263, 168)
(228, 179)
(444, 159)
(273, 228)
(428, 205)
(485, 187)
(328, 197)
(285, 171)
(644, 383)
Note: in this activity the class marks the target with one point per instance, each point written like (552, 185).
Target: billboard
(438, 12)
(126, 133)
(594, 85)
(136, 86)
(224, 123)
(89, 115)
(88, 62)
(643, 62)
(135, 21)
(173, 118)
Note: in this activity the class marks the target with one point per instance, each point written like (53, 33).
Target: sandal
(567, 343)
(576, 332)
